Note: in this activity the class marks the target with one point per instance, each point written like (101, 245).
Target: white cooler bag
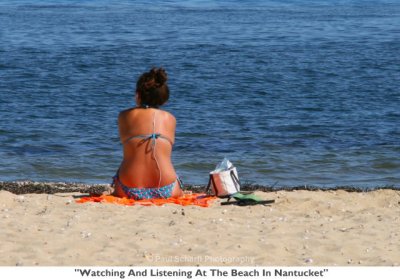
(224, 183)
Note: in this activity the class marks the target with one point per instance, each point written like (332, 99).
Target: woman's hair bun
(160, 76)
(153, 87)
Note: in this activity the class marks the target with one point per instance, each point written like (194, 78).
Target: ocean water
(292, 92)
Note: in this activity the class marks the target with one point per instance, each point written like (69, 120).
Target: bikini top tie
(151, 137)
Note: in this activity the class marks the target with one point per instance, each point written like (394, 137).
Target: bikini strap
(145, 106)
(180, 182)
(152, 137)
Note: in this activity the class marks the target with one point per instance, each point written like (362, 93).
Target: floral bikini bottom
(163, 192)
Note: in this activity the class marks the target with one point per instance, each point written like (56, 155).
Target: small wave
(50, 6)
(386, 165)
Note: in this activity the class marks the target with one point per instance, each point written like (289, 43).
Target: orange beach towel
(187, 199)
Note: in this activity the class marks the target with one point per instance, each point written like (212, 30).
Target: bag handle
(235, 180)
(209, 185)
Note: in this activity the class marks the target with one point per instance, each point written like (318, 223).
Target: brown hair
(152, 87)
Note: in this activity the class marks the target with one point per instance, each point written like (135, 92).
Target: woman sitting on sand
(147, 135)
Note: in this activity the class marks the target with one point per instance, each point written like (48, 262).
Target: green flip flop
(246, 199)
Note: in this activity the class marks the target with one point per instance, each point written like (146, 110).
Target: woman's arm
(122, 126)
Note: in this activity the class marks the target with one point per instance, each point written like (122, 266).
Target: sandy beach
(301, 228)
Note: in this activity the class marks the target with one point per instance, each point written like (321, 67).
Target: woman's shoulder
(168, 115)
(126, 112)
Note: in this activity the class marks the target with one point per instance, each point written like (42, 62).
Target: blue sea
(291, 92)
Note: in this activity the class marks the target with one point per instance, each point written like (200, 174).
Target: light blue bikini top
(151, 137)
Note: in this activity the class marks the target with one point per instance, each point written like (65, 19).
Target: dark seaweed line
(33, 187)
